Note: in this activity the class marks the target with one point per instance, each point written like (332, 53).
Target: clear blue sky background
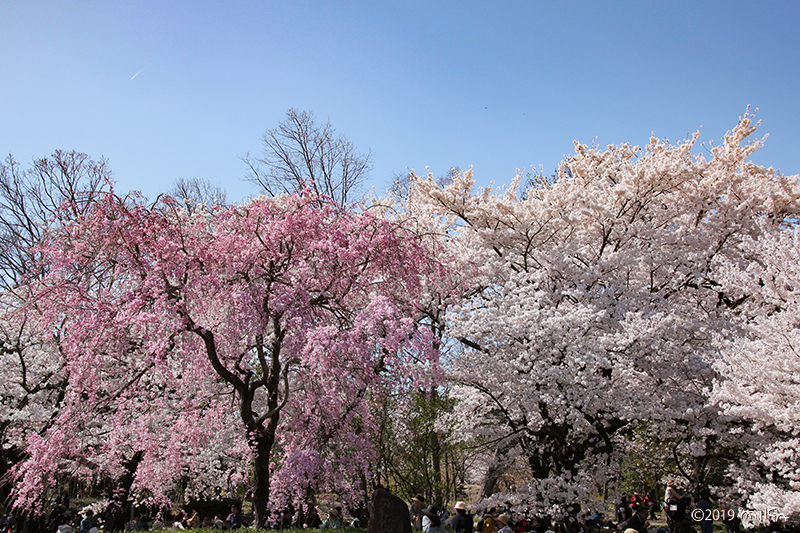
(498, 85)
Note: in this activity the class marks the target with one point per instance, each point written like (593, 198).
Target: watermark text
(763, 515)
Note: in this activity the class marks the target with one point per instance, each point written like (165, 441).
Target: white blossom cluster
(628, 293)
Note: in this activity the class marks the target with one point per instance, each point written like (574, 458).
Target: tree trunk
(436, 457)
(118, 511)
(498, 466)
(263, 448)
(262, 441)
(30, 524)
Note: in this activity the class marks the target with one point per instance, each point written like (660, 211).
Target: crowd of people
(63, 520)
(431, 519)
(631, 515)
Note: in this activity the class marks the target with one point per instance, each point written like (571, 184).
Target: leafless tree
(299, 154)
(52, 190)
(196, 192)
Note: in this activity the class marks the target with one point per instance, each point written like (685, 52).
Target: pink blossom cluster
(194, 342)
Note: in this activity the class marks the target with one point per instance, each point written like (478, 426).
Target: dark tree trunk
(261, 486)
(262, 441)
(118, 511)
(8, 458)
(30, 524)
(436, 459)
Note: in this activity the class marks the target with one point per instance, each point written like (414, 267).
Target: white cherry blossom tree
(762, 368)
(597, 303)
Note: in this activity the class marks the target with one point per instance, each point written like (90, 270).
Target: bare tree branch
(198, 193)
(53, 190)
(300, 154)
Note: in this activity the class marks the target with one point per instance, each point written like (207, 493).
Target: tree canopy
(603, 299)
(281, 305)
(642, 303)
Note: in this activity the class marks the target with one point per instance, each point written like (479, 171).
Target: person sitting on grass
(88, 523)
(638, 521)
(334, 520)
(504, 520)
(431, 521)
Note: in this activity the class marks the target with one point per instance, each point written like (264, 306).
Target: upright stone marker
(389, 514)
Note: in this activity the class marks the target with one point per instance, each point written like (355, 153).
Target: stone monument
(389, 514)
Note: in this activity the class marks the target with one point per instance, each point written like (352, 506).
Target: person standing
(706, 521)
(462, 521)
(636, 500)
(671, 492)
(417, 505)
(623, 510)
(650, 502)
(674, 506)
(235, 518)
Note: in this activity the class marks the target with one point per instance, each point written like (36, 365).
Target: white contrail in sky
(136, 74)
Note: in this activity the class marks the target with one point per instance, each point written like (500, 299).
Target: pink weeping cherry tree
(275, 324)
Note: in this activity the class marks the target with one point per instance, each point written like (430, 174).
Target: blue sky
(496, 85)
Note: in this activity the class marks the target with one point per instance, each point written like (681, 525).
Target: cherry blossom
(762, 367)
(288, 311)
(600, 301)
